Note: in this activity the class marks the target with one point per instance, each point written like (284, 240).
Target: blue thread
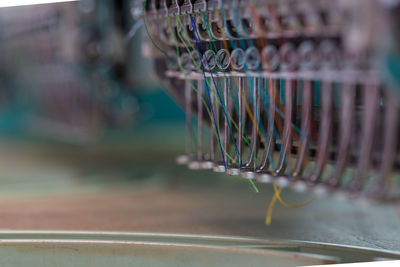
(216, 88)
(208, 92)
(297, 129)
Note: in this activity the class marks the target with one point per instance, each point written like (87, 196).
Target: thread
(193, 87)
(148, 34)
(208, 92)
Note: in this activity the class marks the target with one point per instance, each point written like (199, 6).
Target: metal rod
(324, 132)
(306, 108)
(287, 131)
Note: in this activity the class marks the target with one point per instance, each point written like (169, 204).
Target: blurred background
(80, 108)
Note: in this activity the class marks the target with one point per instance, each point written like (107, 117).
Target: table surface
(140, 188)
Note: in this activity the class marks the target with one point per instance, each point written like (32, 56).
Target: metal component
(295, 68)
(196, 61)
(286, 139)
(271, 113)
(209, 62)
(252, 58)
(99, 248)
(223, 59)
(186, 62)
(238, 59)
(270, 58)
(305, 129)
(288, 57)
(324, 132)
(200, 88)
(307, 56)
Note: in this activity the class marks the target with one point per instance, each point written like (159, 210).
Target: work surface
(134, 188)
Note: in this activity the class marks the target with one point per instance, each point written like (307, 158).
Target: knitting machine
(294, 93)
(299, 93)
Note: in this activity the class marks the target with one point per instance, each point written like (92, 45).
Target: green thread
(148, 34)
(246, 139)
(193, 87)
(212, 44)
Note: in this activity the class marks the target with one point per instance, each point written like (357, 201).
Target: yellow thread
(208, 84)
(248, 110)
(277, 196)
(271, 205)
(287, 205)
(193, 87)
(246, 105)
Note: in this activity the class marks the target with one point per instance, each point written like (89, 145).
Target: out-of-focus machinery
(64, 69)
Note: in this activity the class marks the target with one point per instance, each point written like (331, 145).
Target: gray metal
(47, 248)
